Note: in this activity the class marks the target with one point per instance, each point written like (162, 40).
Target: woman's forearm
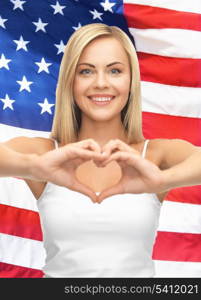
(186, 173)
(13, 163)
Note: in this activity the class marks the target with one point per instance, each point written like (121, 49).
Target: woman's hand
(59, 165)
(139, 175)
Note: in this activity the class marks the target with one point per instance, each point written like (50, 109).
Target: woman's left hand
(139, 175)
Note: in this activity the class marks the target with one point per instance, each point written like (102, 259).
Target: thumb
(81, 188)
(116, 189)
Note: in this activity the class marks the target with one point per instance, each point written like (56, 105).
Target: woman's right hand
(59, 166)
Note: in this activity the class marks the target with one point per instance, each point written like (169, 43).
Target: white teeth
(101, 98)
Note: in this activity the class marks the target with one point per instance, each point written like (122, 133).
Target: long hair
(67, 118)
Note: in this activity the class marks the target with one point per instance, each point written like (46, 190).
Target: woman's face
(102, 79)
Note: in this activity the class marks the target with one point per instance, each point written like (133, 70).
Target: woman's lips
(101, 100)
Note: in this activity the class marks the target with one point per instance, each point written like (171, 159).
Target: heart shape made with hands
(134, 174)
(120, 172)
(98, 177)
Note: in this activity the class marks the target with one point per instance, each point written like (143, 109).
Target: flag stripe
(171, 100)
(20, 222)
(15, 192)
(184, 5)
(12, 271)
(143, 16)
(173, 127)
(168, 42)
(176, 246)
(180, 217)
(22, 252)
(177, 269)
(186, 195)
(9, 132)
(170, 70)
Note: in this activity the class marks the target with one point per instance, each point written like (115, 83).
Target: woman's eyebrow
(90, 65)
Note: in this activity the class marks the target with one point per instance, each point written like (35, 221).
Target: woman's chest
(97, 178)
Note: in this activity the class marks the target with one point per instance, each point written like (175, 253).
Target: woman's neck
(102, 132)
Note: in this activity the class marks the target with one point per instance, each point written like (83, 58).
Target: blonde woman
(98, 112)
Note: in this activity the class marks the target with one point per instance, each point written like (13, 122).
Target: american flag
(167, 36)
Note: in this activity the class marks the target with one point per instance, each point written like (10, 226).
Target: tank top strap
(55, 143)
(145, 148)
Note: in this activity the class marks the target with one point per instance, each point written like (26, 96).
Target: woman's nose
(101, 80)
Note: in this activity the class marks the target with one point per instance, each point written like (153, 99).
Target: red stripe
(190, 194)
(143, 17)
(174, 246)
(12, 271)
(170, 127)
(170, 70)
(20, 222)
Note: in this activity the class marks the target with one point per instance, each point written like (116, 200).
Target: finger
(100, 159)
(86, 154)
(116, 189)
(116, 145)
(119, 156)
(89, 144)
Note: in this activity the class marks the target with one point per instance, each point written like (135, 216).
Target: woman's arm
(28, 158)
(183, 165)
(13, 163)
(180, 165)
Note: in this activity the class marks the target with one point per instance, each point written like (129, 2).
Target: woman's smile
(101, 99)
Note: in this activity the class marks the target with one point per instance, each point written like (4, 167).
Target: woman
(98, 110)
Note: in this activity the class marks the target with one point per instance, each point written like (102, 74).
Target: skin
(122, 170)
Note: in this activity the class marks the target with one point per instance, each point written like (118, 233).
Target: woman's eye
(115, 71)
(85, 71)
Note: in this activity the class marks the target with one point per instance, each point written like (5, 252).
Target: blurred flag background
(167, 37)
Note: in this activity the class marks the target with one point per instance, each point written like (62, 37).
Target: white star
(2, 21)
(24, 84)
(40, 25)
(46, 107)
(76, 28)
(7, 102)
(58, 8)
(107, 5)
(18, 4)
(60, 47)
(43, 66)
(21, 44)
(4, 62)
(96, 14)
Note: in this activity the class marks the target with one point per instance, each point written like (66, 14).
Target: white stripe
(177, 269)
(180, 5)
(8, 132)
(15, 192)
(171, 100)
(21, 252)
(168, 42)
(180, 217)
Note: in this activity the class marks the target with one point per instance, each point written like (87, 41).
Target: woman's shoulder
(38, 145)
(170, 151)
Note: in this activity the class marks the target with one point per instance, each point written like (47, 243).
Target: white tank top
(85, 239)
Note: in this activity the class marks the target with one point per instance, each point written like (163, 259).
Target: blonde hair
(67, 118)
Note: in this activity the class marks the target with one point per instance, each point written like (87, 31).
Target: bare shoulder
(28, 145)
(171, 151)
